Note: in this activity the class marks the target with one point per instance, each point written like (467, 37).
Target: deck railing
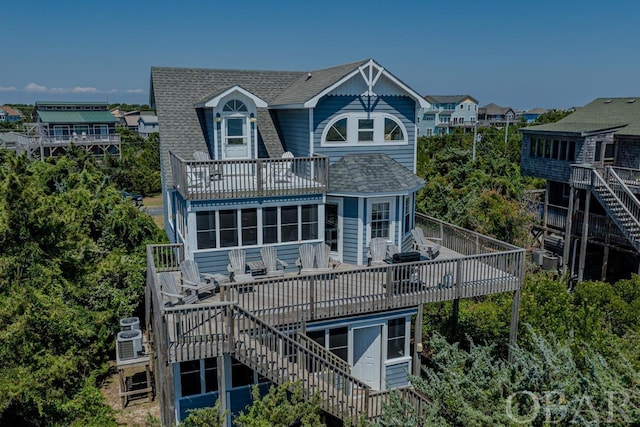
(224, 179)
(459, 239)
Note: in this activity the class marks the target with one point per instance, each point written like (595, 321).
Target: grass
(153, 202)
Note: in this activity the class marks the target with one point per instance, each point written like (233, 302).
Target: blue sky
(550, 54)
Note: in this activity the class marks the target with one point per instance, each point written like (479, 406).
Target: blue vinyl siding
(350, 230)
(396, 375)
(294, 125)
(210, 126)
(403, 108)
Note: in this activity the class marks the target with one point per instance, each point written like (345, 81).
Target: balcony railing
(227, 179)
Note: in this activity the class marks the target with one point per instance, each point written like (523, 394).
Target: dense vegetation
(577, 360)
(72, 264)
(484, 194)
(138, 170)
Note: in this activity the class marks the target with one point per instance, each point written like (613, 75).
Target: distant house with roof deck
(495, 115)
(589, 215)
(57, 125)
(293, 192)
(446, 113)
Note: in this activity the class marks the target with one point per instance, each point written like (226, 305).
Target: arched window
(234, 106)
(364, 129)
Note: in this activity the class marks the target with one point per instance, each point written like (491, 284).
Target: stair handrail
(627, 193)
(314, 346)
(355, 405)
(615, 196)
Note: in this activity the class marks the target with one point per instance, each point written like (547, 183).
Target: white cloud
(8, 89)
(34, 87)
(37, 88)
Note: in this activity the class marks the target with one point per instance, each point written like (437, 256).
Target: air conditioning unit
(537, 255)
(129, 323)
(129, 344)
(550, 262)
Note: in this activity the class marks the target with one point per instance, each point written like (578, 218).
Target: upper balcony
(242, 178)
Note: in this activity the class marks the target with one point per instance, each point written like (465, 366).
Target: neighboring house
(495, 115)
(590, 213)
(9, 114)
(531, 115)
(294, 161)
(447, 112)
(147, 124)
(89, 125)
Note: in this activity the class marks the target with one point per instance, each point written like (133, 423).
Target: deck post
(567, 232)
(545, 213)
(312, 293)
(585, 234)
(417, 338)
(513, 331)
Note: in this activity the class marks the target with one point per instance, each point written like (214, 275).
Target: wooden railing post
(390, 285)
(312, 294)
(230, 329)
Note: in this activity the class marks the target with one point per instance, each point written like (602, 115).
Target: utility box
(129, 345)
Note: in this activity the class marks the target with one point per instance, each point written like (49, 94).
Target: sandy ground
(138, 409)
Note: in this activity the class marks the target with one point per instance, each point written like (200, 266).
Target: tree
(72, 264)
(283, 406)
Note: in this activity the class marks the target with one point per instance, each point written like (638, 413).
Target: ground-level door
(333, 226)
(366, 355)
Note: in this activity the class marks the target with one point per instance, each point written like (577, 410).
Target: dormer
(232, 116)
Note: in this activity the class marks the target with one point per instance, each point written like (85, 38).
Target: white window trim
(393, 220)
(352, 130)
(194, 234)
(97, 132)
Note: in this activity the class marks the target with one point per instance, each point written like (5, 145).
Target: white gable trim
(213, 102)
(370, 80)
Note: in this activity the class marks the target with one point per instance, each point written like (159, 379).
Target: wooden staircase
(283, 358)
(620, 203)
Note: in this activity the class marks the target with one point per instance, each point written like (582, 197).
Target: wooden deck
(223, 179)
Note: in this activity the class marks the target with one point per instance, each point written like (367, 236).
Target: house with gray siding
(289, 160)
(589, 213)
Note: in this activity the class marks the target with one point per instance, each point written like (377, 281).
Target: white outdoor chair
(238, 266)
(270, 260)
(428, 249)
(377, 252)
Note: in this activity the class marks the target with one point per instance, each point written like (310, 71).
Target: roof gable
(215, 99)
(310, 88)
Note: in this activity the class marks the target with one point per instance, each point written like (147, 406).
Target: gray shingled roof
(175, 92)
(494, 109)
(599, 115)
(448, 99)
(371, 173)
(268, 133)
(313, 82)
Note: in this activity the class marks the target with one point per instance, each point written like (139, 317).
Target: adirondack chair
(377, 252)
(324, 262)
(282, 171)
(203, 172)
(238, 266)
(170, 287)
(428, 249)
(392, 250)
(270, 260)
(306, 262)
(192, 278)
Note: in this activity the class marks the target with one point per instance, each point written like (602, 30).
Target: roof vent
(631, 101)
(608, 101)
(308, 76)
